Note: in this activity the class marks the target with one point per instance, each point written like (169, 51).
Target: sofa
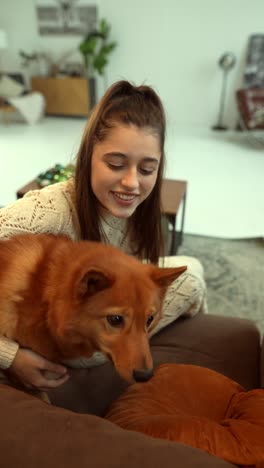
(72, 432)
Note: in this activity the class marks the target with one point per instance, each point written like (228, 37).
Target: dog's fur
(65, 300)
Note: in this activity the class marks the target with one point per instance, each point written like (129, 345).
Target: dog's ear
(165, 276)
(93, 281)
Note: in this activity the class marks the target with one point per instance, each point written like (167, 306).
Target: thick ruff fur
(66, 299)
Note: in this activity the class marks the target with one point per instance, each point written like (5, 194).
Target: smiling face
(124, 168)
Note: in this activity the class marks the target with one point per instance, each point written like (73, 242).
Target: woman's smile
(124, 168)
(125, 199)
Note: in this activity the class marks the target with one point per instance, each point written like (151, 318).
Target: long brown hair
(126, 104)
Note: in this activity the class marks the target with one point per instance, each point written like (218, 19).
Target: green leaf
(99, 63)
(95, 48)
(104, 27)
(88, 47)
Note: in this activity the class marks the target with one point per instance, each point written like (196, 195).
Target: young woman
(113, 198)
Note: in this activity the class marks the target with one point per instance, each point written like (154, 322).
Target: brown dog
(66, 299)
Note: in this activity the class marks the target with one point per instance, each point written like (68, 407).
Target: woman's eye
(146, 171)
(115, 167)
(115, 320)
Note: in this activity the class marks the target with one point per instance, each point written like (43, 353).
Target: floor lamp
(226, 62)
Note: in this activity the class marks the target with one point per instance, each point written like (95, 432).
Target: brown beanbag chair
(198, 407)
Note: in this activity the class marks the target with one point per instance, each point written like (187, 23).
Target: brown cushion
(34, 434)
(198, 407)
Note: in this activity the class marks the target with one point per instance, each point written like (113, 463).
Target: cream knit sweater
(52, 210)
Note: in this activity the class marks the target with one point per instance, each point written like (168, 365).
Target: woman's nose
(130, 179)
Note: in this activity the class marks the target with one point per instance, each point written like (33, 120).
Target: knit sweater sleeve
(8, 350)
(49, 210)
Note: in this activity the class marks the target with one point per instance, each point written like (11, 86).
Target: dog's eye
(115, 320)
(150, 320)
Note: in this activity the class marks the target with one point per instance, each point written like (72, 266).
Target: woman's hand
(36, 372)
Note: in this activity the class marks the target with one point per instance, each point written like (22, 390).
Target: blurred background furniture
(250, 103)
(250, 97)
(15, 98)
(64, 96)
(11, 85)
(173, 198)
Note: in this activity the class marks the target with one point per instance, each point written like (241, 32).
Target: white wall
(172, 45)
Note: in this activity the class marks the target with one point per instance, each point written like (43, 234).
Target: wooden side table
(173, 195)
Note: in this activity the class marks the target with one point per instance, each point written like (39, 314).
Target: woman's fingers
(36, 372)
(47, 384)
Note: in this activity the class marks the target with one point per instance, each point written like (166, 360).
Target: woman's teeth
(125, 197)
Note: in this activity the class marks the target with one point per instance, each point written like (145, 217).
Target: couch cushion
(34, 434)
(228, 345)
(10, 87)
(198, 407)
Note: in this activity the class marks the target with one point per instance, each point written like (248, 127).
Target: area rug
(234, 273)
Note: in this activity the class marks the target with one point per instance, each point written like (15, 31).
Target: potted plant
(95, 49)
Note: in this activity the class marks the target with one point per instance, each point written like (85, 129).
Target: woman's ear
(93, 281)
(163, 277)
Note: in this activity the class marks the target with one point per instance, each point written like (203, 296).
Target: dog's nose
(142, 375)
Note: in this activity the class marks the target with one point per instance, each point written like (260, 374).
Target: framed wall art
(254, 70)
(70, 17)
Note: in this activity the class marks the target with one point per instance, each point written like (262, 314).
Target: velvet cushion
(198, 407)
